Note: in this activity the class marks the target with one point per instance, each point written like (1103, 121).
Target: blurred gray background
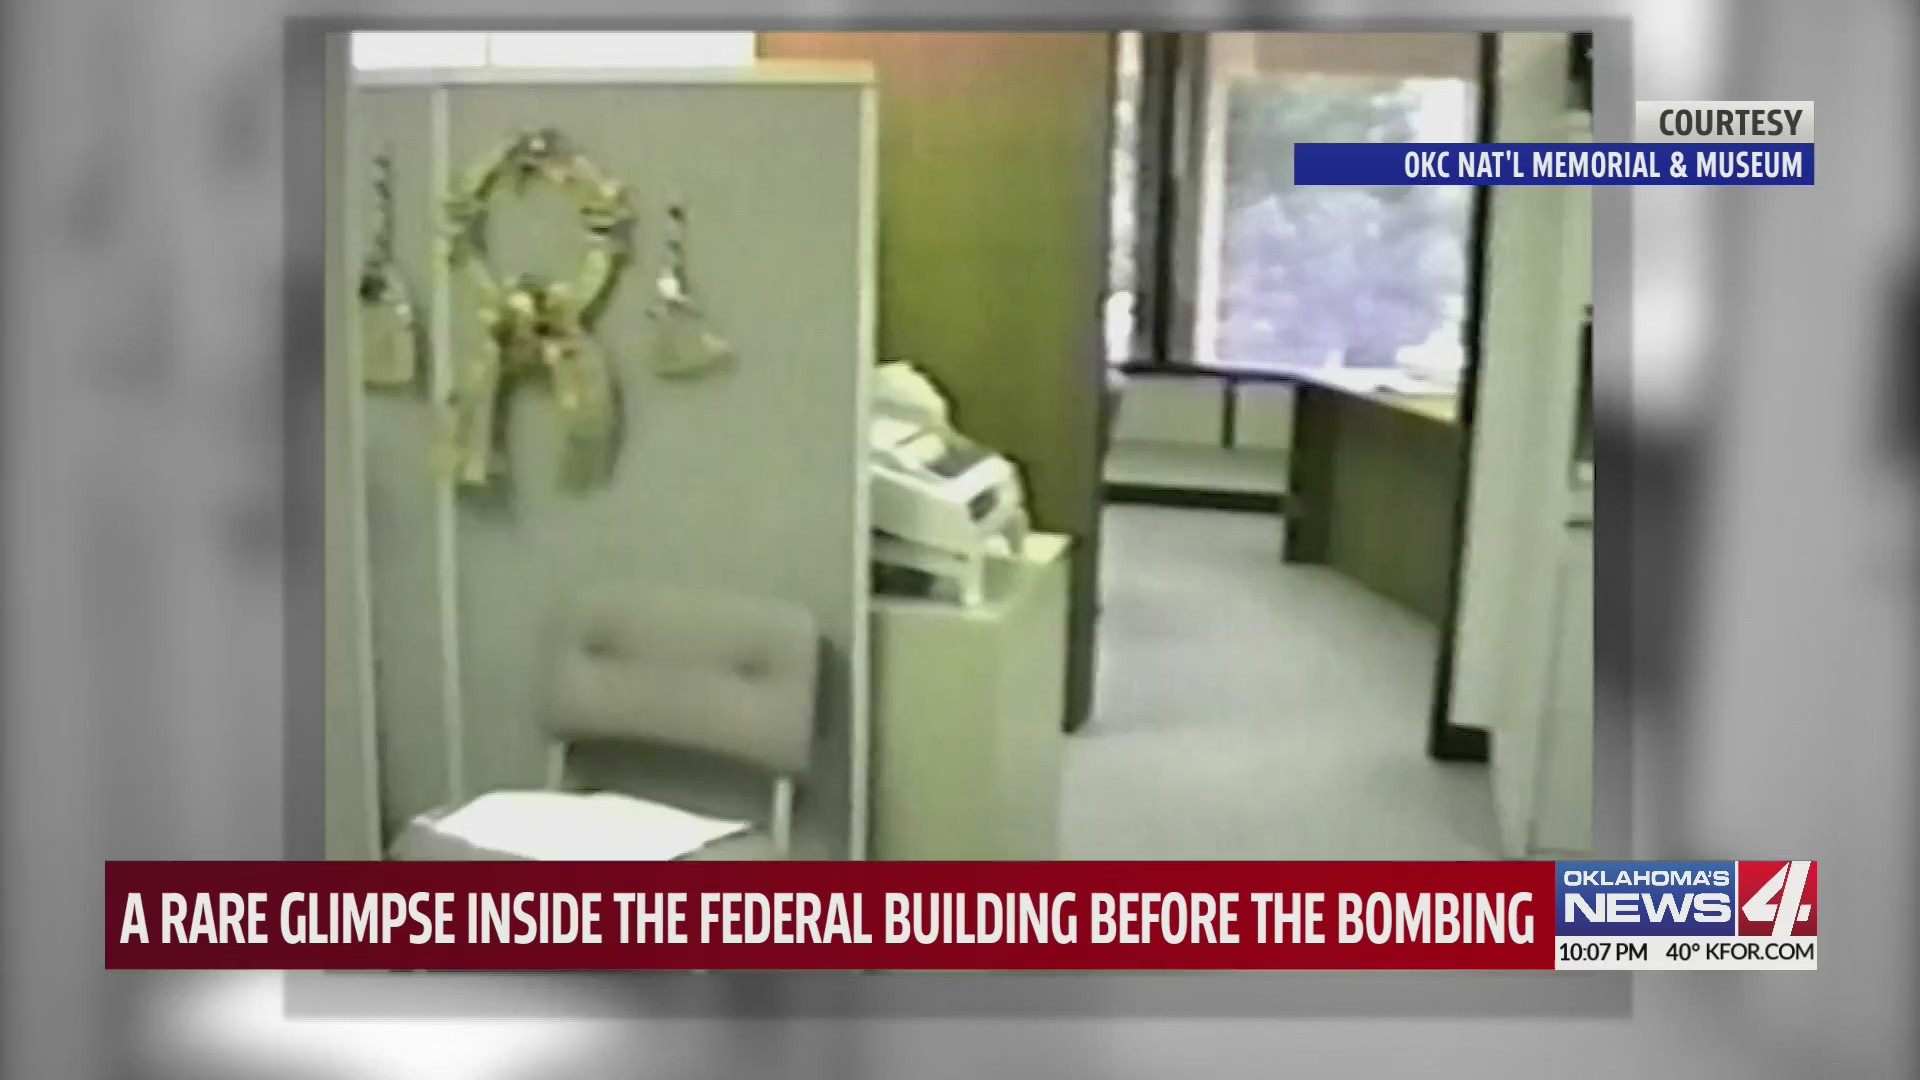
(1757, 523)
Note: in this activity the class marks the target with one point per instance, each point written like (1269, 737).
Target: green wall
(994, 164)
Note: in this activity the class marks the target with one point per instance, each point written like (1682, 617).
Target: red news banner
(502, 916)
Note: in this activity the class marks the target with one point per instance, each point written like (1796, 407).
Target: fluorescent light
(552, 49)
(417, 49)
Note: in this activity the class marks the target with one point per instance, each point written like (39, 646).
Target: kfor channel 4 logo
(1687, 899)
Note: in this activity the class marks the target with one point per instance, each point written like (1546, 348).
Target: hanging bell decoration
(684, 344)
(389, 332)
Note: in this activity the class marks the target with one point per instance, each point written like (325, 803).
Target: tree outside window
(1341, 277)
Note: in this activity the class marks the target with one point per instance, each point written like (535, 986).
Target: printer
(943, 505)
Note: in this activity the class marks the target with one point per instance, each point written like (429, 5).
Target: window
(1339, 277)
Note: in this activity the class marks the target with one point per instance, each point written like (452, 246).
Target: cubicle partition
(408, 514)
(749, 479)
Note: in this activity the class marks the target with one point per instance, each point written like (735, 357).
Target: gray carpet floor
(1248, 709)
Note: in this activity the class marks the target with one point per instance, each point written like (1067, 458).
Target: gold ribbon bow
(534, 326)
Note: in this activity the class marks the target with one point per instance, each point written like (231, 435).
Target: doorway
(1290, 383)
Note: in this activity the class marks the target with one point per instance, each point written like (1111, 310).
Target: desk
(966, 710)
(1373, 480)
(1372, 489)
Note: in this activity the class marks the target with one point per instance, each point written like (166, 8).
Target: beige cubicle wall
(408, 514)
(751, 480)
(353, 829)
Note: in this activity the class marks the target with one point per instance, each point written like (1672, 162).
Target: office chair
(728, 676)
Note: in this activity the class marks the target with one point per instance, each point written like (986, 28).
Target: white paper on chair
(556, 826)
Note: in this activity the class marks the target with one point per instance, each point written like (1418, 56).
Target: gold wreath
(533, 325)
